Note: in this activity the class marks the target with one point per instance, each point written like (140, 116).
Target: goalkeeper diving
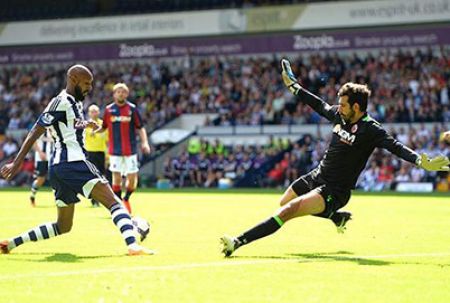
(327, 188)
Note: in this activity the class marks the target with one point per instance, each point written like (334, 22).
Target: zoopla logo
(139, 51)
(314, 42)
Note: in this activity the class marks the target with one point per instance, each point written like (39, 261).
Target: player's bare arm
(99, 129)
(10, 170)
(144, 141)
(92, 124)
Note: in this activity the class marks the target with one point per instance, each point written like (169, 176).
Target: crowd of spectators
(407, 86)
(212, 161)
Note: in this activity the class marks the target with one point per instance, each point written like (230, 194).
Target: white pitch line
(225, 263)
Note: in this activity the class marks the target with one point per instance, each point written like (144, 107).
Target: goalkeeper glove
(439, 163)
(288, 77)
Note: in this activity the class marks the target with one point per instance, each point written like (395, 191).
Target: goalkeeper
(326, 189)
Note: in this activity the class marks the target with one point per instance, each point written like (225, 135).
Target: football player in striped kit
(43, 148)
(70, 172)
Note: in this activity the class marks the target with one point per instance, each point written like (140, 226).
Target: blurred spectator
(369, 177)
(385, 174)
(402, 175)
(275, 176)
(10, 147)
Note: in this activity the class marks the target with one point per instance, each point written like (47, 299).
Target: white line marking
(225, 263)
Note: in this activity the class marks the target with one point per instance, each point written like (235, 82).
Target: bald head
(79, 81)
(79, 72)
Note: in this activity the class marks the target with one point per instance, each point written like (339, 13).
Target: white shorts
(123, 164)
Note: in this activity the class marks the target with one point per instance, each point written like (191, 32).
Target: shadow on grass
(45, 206)
(61, 257)
(339, 256)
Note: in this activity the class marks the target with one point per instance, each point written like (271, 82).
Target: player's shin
(41, 232)
(126, 199)
(122, 220)
(117, 189)
(128, 194)
(261, 230)
(34, 188)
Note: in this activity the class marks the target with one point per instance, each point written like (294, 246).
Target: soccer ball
(141, 228)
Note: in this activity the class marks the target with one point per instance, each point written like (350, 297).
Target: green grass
(397, 249)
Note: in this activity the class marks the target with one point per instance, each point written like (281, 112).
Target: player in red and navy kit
(122, 120)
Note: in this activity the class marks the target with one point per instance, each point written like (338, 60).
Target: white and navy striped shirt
(64, 118)
(45, 143)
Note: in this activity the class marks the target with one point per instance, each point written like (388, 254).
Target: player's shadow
(66, 257)
(69, 258)
(45, 206)
(339, 256)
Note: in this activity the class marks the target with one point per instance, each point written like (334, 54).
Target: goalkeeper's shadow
(339, 256)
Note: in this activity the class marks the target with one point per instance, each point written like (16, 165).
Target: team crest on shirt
(344, 135)
(47, 118)
(354, 128)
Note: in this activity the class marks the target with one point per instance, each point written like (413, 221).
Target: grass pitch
(397, 249)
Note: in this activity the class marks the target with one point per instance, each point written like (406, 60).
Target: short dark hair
(356, 93)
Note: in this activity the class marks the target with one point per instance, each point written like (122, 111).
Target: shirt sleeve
(106, 140)
(384, 140)
(52, 114)
(137, 119)
(321, 107)
(106, 119)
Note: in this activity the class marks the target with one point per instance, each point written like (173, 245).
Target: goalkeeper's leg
(300, 187)
(307, 204)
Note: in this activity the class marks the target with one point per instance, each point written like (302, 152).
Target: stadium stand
(408, 86)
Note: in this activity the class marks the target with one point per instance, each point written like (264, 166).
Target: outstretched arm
(316, 103)
(10, 170)
(386, 141)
